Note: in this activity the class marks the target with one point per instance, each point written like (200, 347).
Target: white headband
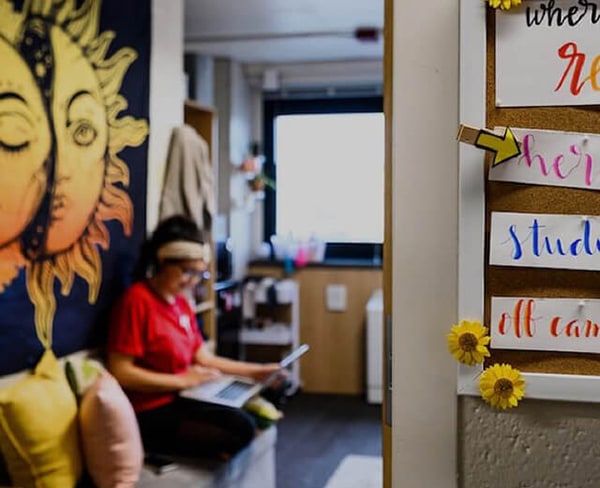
(184, 250)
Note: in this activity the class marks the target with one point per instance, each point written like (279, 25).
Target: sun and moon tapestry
(74, 91)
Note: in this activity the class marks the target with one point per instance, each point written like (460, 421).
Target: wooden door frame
(387, 241)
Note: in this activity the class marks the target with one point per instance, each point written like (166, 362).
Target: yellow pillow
(39, 436)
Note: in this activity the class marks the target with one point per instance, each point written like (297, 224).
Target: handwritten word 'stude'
(541, 244)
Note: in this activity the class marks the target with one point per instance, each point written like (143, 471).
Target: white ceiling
(280, 31)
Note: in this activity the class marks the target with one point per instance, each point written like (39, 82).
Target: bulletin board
(562, 375)
(513, 197)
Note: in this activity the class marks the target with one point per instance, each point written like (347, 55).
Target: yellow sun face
(81, 131)
(60, 133)
(24, 145)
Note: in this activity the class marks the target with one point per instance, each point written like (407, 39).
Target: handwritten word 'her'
(559, 166)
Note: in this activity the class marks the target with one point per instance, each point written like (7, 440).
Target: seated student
(155, 350)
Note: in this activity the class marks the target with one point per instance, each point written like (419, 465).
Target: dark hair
(175, 228)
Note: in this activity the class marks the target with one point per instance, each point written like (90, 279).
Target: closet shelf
(275, 334)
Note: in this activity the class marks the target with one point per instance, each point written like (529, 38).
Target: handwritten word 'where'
(551, 15)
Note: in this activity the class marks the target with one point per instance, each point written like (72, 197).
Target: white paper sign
(545, 241)
(547, 53)
(567, 159)
(558, 324)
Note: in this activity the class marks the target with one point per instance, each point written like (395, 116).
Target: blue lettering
(575, 247)
(535, 240)
(586, 237)
(518, 252)
(548, 246)
(559, 248)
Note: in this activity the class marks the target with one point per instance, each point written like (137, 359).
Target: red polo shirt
(162, 337)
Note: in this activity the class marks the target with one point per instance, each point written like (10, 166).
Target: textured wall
(538, 445)
(167, 93)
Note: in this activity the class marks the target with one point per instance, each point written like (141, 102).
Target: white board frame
(472, 218)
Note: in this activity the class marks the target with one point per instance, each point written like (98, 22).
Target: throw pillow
(38, 428)
(82, 372)
(111, 438)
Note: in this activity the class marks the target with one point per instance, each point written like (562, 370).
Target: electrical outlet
(335, 298)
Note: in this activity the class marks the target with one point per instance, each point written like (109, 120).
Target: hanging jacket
(188, 187)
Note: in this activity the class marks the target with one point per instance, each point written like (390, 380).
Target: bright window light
(330, 176)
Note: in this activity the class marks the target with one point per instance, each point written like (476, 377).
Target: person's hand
(263, 371)
(197, 375)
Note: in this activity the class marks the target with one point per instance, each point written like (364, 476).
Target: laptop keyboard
(234, 390)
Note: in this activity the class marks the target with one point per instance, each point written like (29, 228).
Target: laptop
(234, 391)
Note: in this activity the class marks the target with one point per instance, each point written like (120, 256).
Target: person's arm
(133, 377)
(256, 371)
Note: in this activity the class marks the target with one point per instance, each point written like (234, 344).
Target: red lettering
(554, 326)
(572, 329)
(591, 329)
(502, 323)
(521, 320)
(570, 51)
(517, 316)
(528, 319)
(593, 77)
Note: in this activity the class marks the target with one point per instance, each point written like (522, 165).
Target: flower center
(467, 342)
(503, 387)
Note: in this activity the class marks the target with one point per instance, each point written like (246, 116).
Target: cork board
(510, 197)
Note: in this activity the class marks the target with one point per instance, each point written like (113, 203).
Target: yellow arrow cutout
(504, 146)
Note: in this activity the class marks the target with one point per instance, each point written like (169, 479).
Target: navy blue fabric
(77, 323)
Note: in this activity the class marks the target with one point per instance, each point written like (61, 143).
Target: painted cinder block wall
(540, 444)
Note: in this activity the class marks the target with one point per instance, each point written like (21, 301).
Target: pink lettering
(563, 164)
(530, 158)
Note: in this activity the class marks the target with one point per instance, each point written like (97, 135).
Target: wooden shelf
(204, 120)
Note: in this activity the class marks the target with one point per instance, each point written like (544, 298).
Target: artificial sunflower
(504, 4)
(502, 386)
(467, 342)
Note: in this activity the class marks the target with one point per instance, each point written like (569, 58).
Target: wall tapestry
(74, 88)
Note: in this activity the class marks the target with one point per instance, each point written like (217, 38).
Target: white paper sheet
(543, 324)
(552, 158)
(545, 54)
(545, 241)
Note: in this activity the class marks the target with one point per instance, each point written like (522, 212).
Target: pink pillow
(111, 440)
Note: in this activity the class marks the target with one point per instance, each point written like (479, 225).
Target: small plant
(252, 167)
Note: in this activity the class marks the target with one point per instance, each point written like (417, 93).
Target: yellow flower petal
(502, 386)
(504, 4)
(467, 342)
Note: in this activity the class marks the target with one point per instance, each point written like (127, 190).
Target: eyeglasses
(193, 273)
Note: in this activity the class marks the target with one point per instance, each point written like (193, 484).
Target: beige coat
(188, 187)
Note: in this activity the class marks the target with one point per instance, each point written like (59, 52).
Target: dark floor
(318, 431)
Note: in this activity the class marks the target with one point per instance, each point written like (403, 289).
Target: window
(327, 159)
